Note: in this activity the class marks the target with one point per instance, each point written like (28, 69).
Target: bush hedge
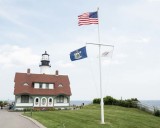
(157, 112)
(108, 100)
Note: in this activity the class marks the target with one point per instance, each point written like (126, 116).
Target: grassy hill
(89, 117)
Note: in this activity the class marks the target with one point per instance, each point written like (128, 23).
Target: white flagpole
(100, 75)
(101, 90)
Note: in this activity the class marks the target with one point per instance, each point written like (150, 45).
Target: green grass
(89, 117)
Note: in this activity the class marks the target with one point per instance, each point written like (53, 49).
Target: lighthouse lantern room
(45, 66)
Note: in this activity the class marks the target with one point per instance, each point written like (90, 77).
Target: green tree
(1, 103)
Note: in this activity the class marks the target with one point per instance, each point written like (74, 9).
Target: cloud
(16, 36)
(64, 65)
(144, 15)
(121, 55)
(132, 39)
(153, 0)
(143, 40)
(12, 55)
(21, 18)
(118, 59)
(8, 16)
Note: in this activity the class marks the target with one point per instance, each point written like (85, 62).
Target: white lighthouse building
(45, 67)
(39, 91)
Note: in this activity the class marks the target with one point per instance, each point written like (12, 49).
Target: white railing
(146, 107)
(24, 104)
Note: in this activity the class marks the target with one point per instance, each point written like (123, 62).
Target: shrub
(156, 112)
(1, 103)
(96, 101)
(27, 109)
(134, 99)
(51, 109)
(108, 100)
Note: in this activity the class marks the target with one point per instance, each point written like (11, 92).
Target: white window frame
(47, 85)
(41, 85)
(24, 98)
(42, 101)
(35, 103)
(60, 99)
(50, 103)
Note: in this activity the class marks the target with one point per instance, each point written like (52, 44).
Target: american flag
(88, 18)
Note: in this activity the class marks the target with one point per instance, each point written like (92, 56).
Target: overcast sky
(29, 27)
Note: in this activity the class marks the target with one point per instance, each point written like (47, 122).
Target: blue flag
(78, 54)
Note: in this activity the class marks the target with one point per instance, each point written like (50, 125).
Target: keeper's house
(42, 91)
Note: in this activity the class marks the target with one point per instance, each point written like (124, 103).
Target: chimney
(28, 71)
(56, 72)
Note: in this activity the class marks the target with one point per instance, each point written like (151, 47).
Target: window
(24, 99)
(43, 101)
(47, 86)
(36, 85)
(52, 86)
(60, 85)
(60, 99)
(43, 85)
(25, 84)
(67, 100)
(50, 100)
(40, 85)
(36, 101)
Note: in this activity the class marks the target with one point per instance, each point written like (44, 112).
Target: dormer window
(40, 85)
(25, 84)
(60, 85)
(47, 86)
(37, 85)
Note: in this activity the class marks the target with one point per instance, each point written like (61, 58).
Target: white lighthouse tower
(45, 66)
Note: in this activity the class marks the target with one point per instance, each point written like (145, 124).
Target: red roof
(30, 79)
